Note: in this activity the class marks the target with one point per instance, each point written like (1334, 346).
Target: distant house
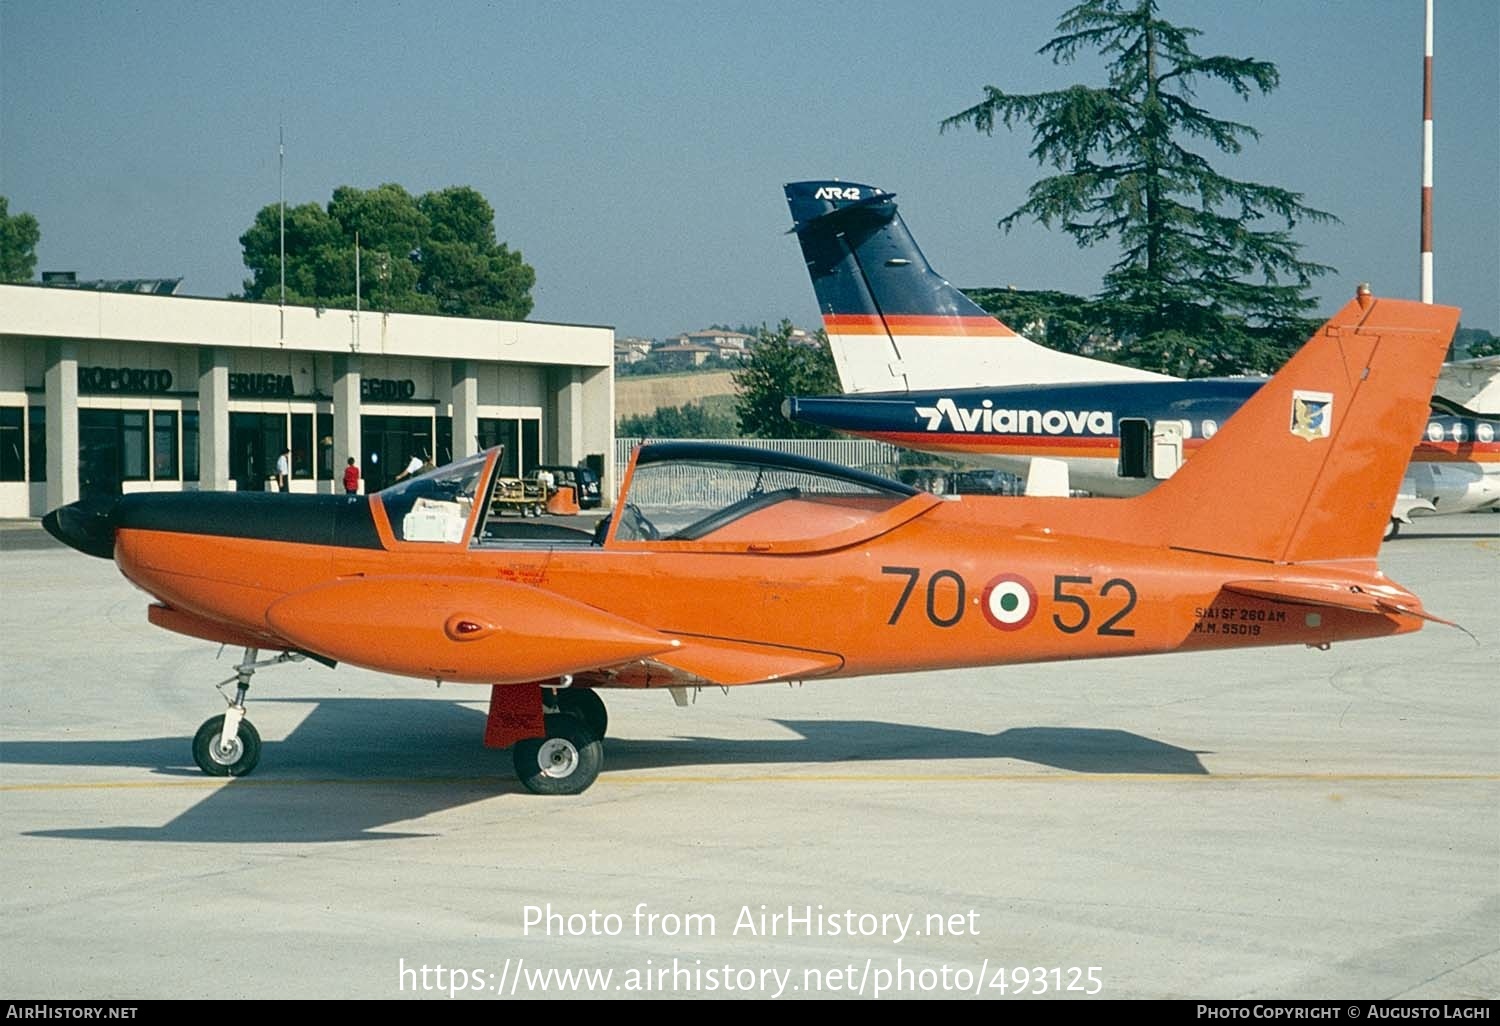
(683, 354)
(632, 350)
(725, 343)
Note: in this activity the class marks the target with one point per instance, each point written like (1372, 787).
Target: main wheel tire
(585, 704)
(566, 761)
(1392, 529)
(235, 761)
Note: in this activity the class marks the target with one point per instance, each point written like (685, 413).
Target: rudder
(1308, 468)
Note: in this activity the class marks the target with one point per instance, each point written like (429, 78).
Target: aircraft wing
(454, 629)
(723, 661)
(1330, 593)
(501, 632)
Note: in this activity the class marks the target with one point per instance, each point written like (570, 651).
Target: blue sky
(635, 152)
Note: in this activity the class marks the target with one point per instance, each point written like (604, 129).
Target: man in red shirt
(351, 478)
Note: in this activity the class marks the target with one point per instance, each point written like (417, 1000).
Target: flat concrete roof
(54, 313)
(1272, 823)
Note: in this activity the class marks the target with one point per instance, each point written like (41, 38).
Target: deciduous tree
(777, 367)
(437, 253)
(18, 238)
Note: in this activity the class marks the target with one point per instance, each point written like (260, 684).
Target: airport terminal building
(108, 392)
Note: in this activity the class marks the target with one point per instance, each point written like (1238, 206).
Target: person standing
(351, 478)
(284, 471)
(415, 465)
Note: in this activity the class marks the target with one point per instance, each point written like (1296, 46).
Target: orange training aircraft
(726, 565)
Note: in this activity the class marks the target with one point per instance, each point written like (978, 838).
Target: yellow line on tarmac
(1061, 778)
(799, 778)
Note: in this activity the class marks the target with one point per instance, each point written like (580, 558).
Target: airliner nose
(88, 527)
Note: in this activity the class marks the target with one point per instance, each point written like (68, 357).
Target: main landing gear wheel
(1392, 529)
(219, 760)
(585, 704)
(566, 761)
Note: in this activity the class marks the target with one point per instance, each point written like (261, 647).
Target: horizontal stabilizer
(1473, 385)
(1339, 596)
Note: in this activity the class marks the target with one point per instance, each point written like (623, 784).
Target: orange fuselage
(951, 583)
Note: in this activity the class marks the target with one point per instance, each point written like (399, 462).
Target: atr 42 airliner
(924, 367)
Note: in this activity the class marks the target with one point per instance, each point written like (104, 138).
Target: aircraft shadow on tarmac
(354, 765)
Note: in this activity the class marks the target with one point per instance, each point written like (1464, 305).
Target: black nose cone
(87, 527)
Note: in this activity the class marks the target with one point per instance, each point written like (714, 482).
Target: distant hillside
(644, 395)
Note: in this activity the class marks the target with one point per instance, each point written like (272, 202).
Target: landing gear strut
(555, 734)
(229, 745)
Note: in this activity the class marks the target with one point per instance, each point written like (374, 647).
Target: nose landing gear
(229, 745)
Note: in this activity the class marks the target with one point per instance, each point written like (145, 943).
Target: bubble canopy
(699, 492)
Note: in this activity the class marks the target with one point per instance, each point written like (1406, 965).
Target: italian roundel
(1009, 602)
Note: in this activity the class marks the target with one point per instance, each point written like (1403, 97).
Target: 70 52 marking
(1009, 601)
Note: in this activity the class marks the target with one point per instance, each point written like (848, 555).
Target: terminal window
(38, 430)
(12, 447)
(164, 445)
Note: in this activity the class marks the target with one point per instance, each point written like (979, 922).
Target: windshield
(731, 494)
(435, 506)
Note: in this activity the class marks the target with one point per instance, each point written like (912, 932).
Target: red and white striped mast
(1427, 162)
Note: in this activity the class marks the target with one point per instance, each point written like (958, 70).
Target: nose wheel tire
(1392, 529)
(218, 760)
(566, 761)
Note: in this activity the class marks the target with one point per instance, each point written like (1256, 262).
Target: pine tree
(1204, 284)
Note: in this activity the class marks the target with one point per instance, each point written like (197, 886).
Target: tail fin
(1308, 468)
(893, 322)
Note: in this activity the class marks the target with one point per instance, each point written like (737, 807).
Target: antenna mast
(281, 174)
(1427, 162)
